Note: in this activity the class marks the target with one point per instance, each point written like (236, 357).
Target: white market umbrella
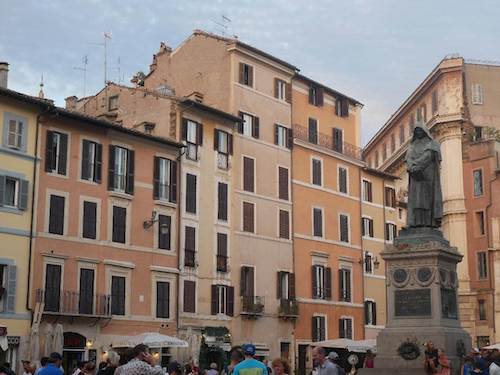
(58, 339)
(358, 346)
(151, 339)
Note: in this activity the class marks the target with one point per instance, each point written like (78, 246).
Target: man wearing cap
(323, 367)
(250, 366)
(54, 365)
(334, 358)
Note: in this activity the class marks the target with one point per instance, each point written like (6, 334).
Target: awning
(493, 346)
(151, 339)
(358, 346)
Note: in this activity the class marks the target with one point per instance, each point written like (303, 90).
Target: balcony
(252, 306)
(69, 303)
(326, 142)
(288, 309)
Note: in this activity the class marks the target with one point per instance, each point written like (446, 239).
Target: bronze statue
(423, 158)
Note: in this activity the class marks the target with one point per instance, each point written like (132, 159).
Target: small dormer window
(113, 103)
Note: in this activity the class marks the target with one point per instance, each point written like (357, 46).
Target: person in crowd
(213, 369)
(431, 358)
(335, 359)
(28, 368)
(250, 366)
(43, 363)
(369, 361)
(322, 365)
(269, 369)
(53, 366)
(142, 363)
(89, 368)
(174, 368)
(79, 367)
(495, 364)
(112, 362)
(102, 365)
(468, 366)
(187, 369)
(444, 363)
(235, 356)
(280, 367)
(8, 369)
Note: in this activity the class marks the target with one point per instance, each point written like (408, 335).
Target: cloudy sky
(374, 50)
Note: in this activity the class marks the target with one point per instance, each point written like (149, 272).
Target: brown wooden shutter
(216, 139)
(230, 301)
(248, 174)
(190, 193)
(222, 201)
(63, 153)
(316, 171)
(348, 285)
(240, 124)
(56, 214)
(318, 222)
(370, 225)
(230, 143)
(276, 88)
(190, 238)
(314, 330)
(250, 75)
(85, 175)
(314, 279)
(118, 295)
(98, 164)
(291, 286)
(319, 96)
(156, 177)
(288, 92)
(283, 183)
(189, 296)
(284, 224)
(311, 95)
(89, 220)
(173, 181)
(341, 285)
(341, 328)
(119, 224)
(328, 283)
(52, 293)
(289, 138)
(129, 188)
(374, 316)
(199, 134)
(241, 75)
(248, 217)
(86, 300)
(278, 284)
(276, 133)
(111, 168)
(184, 129)
(313, 131)
(345, 107)
(255, 127)
(222, 244)
(243, 280)
(215, 300)
(49, 151)
(370, 196)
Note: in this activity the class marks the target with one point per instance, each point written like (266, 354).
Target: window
(89, 229)
(113, 103)
(246, 74)
(247, 282)
(15, 192)
(313, 131)
(367, 191)
(477, 93)
(317, 222)
(117, 295)
(316, 172)
(248, 174)
(223, 144)
(367, 227)
(316, 96)
(248, 217)
(189, 246)
(370, 313)
(282, 136)
(344, 228)
(189, 296)
(165, 180)
(345, 328)
(318, 328)
(282, 90)
(222, 300)
(56, 214)
(119, 224)
(321, 282)
(338, 140)
(477, 135)
(8, 280)
(284, 227)
(342, 176)
(164, 231)
(283, 183)
(222, 201)
(402, 135)
(286, 286)
(342, 107)
(56, 152)
(368, 263)
(478, 182)
(86, 297)
(163, 299)
(481, 229)
(249, 126)
(345, 285)
(390, 231)
(393, 143)
(482, 264)
(192, 133)
(15, 129)
(384, 151)
(434, 102)
(390, 197)
(191, 193)
(121, 169)
(482, 309)
(52, 294)
(222, 252)
(91, 161)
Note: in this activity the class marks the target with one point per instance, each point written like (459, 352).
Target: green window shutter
(23, 196)
(2, 189)
(10, 304)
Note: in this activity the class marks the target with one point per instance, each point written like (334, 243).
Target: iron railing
(71, 303)
(189, 258)
(288, 307)
(252, 305)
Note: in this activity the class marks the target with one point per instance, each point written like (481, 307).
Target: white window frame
(281, 89)
(479, 255)
(248, 123)
(365, 257)
(222, 295)
(325, 318)
(157, 276)
(322, 221)
(348, 266)
(365, 222)
(60, 193)
(320, 270)
(473, 182)
(254, 217)
(363, 190)
(392, 233)
(253, 74)
(121, 161)
(282, 135)
(164, 182)
(166, 211)
(223, 150)
(285, 285)
(16, 181)
(18, 133)
(370, 315)
(344, 318)
(192, 139)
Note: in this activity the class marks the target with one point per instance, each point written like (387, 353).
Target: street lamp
(164, 229)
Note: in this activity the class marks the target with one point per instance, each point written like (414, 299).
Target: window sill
(160, 202)
(88, 182)
(11, 210)
(119, 194)
(57, 175)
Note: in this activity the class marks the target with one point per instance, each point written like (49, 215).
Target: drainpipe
(362, 249)
(490, 245)
(179, 213)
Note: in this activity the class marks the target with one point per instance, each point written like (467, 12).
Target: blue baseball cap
(249, 349)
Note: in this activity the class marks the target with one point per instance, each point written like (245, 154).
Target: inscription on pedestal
(413, 302)
(449, 303)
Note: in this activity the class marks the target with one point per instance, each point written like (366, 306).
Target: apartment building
(105, 262)
(244, 81)
(207, 293)
(457, 101)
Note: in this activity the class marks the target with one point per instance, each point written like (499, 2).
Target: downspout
(385, 244)
(490, 245)
(179, 213)
(360, 184)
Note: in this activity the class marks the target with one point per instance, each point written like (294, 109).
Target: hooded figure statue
(423, 158)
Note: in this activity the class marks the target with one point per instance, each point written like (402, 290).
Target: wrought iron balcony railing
(289, 308)
(252, 305)
(57, 302)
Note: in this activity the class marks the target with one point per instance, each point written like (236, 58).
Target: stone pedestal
(422, 305)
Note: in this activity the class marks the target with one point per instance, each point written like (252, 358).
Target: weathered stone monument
(421, 275)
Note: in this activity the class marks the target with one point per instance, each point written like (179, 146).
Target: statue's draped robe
(425, 204)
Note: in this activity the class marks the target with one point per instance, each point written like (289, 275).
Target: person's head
(140, 352)
(249, 350)
(441, 352)
(89, 368)
(187, 369)
(237, 355)
(430, 345)
(469, 360)
(213, 366)
(27, 366)
(174, 368)
(279, 366)
(102, 365)
(112, 359)
(318, 355)
(55, 359)
(369, 353)
(44, 361)
(81, 364)
(419, 132)
(333, 356)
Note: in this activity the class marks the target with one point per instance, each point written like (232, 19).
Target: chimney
(4, 74)
(71, 102)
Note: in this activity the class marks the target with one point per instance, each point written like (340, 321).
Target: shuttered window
(342, 180)
(434, 102)
(284, 229)
(367, 227)
(89, 220)
(342, 107)
(121, 168)
(119, 224)
(317, 178)
(222, 195)
(223, 144)
(189, 246)
(345, 328)
(282, 90)
(189, 296)
(316, 96)
(338, 140)
(56, 152)
(162, 299)
(91, 161)
(246, 74)
(192, 134)
(8, 278)
(222, 252)
(283, 183)
(248, 217)
(56, 214)
(313, 130)
(390, 231)
(318, 328)
(164, 232)
(86, 300)
(248, 174)
(321, 282)
(117, 295)
(249, 126)
(165, 180)
(191, 193)
(317, 222)
(13, 192)
(222, 300)
(390, 196)
(344, 228)
(285, 286)
(52, 287)
(247, 280)
(367, 191)
(15, 131)
(345, 285)
(370, 313)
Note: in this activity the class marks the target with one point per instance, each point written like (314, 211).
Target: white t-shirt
(494, 369)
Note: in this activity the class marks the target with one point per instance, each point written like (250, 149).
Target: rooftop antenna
(121, 77)
(107, 35)
(223, 23)
(85, 61)
(41, 94)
